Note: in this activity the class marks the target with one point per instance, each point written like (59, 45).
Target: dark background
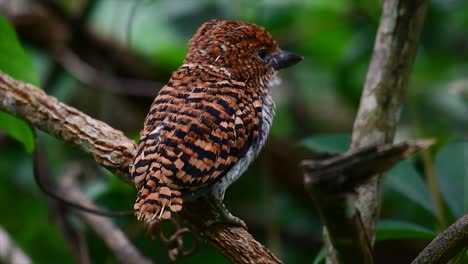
(316, 104)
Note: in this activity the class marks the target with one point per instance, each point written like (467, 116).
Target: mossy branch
(394, 52)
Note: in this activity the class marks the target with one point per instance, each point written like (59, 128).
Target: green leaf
(404, 179)
(328, 142)
(18, 129)
(451, 165)
(13, 60)
(16, 63)
(398, 230)
(451, 104)
(320, 258)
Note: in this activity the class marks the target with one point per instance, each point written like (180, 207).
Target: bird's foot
(223, 216)
(227, 219)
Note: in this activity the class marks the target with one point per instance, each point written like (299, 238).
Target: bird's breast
(268, 111)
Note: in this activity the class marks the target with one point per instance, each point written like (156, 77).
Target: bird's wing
(192, 137)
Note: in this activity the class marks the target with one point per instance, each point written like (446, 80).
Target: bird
(210, 121)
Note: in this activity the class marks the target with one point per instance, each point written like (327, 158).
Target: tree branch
(111, 149)
(236, 243)
(332, 182)
(382, 99)
(66, 31)
(446, 245)
(114, 238)
(379, 112)
(343, 173)
(75, 239)
(91, 76)
(10, 252)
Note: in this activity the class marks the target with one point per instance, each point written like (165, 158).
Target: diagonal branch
(446, 245)
(332, 182)
(10, 252)
(111, 149)
(342, 173)
(76, 242)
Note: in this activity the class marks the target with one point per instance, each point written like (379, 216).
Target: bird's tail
(158, 203)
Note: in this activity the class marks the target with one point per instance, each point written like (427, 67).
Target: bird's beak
(284, 59)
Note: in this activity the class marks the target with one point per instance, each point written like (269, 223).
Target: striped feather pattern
(205, 120)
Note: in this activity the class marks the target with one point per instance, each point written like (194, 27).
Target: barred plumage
(210, 120)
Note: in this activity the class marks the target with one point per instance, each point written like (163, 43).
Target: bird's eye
(262, 53)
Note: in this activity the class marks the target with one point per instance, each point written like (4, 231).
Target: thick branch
(110, 148)
(342, 173)
(236, 243)
(387, 78)
(331, 183)
(446, 245)
(379, 112)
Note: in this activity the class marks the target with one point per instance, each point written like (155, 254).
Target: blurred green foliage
(316, 105)
(15, 62)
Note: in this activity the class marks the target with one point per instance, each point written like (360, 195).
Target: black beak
(284, 59)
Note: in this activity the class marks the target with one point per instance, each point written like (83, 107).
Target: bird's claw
(228, 219)
(222, 215)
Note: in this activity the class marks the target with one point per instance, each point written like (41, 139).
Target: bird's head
(247, 51)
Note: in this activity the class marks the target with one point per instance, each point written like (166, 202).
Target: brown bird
(209, 122)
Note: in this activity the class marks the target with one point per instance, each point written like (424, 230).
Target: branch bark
(446, 245)
(378, 115)
(10, 252)
(332, 182)
(236, 243)
(395, 48)
(111, 149)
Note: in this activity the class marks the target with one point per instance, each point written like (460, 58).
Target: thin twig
(429, 171)
(434, 189)
(59, 211)
(89, 75)
(114, 238)
(87, 41)
(175, 242)
(131, 18)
